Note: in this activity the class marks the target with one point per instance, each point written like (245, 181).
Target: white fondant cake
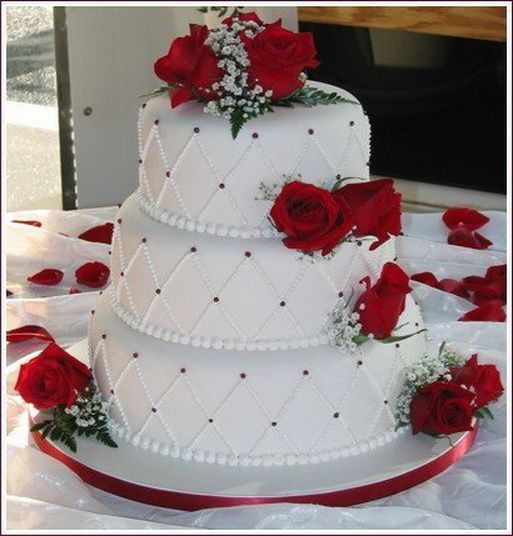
(211, 342)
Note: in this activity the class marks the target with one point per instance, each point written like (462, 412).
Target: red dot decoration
(135, 355)
(112, 391)
(416, 324)
(385, 402)
(157, 291)
(144, 240)
(274, 423)
(338, 177)
(242, 375)
(154, 410)
(255, 135)
(182, 371)
(340, 294)
(216, 299)
(310, 131)
(140, 161)
(104, 336)
(196, 129)
(157, 121)
(351, 123)
(193, 249)
(248, 254)
(221, 185)
(282, 304)
(305, 373)
(121, 274)
(359, 363)
(119, 220)
(92, 311)
(143, 106)
(336, 415)
(359, 243)
(211, 421)
(168, 173)
(397, 345)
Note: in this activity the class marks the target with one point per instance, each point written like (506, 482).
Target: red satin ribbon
(190, 501)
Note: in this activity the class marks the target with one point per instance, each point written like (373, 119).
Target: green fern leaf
(40, 425)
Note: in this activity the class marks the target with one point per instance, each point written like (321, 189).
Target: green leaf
(165, 88)
(55, 434)
(311, 96)
(237, 121)
(47, 431)
(105, 438)
(442, 348)
(484, 413)
(360, 339)
(203, 9)
(398, 338)
(69, 441)
(40, 425)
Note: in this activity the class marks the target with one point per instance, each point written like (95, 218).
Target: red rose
(52, 378)
(468, 217)
(376, 206)
(485, 313)
(48, 277)
(311, 217)
(381, 304)
(463, 236)
(100, 233)
(278, 56)
(191, 64)
(441, 408)
(92, 274)
(485, 379)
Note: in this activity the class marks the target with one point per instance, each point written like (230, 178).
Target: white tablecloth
(43, 494)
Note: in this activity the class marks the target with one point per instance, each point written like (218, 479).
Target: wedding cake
(256, 314)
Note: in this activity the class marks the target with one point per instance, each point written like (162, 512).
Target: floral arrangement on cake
(444, 394)
(241, 69)
(62, 388)
(318, 219)
(375, 314)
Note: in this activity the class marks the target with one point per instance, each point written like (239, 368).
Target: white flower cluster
(233, 89)
(428, 370)
(344, 327)
(89, 410)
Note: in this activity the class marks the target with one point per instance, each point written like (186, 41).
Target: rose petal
(101, 233)
(25, 333)
(92, 274)
(463, 236)
(485, 313)
(34, 223)
(470, 218)
(48, 277)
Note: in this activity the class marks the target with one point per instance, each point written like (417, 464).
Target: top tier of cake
(194, 175)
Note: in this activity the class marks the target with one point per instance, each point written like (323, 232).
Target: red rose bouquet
(241, 69)
(61, 386)
(444, 394)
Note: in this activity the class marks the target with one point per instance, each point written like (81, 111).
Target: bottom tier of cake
(250, 408)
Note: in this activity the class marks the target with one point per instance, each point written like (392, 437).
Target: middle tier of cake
(220, 292)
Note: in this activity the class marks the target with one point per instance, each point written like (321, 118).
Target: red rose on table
(468, 217)
(381, 304)
(485, 313)
(52, 378)
(376, 206)
(311, 217)
(485, 379)
(100, 233)
(278, 56)
(191, 64)
(48, 277)
(92, 274)
(442, 408)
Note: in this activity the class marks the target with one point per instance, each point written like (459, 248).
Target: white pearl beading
(183, 222)
(216, 343)
(186, 453)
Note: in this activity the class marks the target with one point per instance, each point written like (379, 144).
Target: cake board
(141, 475)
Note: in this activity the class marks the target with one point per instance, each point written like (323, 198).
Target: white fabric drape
(43, 494)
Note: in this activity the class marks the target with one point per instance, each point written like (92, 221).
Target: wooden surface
(472, 22)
